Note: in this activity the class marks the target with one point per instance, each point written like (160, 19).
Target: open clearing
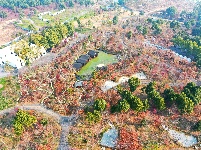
(103, 58)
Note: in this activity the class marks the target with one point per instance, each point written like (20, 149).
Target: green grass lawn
(103, 58)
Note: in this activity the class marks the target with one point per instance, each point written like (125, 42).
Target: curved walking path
(64, 121)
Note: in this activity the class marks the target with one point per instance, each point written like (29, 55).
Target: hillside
(117, 75)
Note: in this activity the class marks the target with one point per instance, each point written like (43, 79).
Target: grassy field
(103, 58)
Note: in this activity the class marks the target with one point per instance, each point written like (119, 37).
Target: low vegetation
(9, 92)
(28, 129)
(141, 38)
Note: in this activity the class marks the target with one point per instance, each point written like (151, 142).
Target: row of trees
(12, 4)
(155, 26)
(185, 101)
(128, 100)
(170, 12)
(52, 36)
(191, 45)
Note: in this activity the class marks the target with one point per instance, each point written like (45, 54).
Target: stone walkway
(65, 122)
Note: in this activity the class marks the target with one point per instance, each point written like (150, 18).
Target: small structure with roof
(78, 84)
(82, 61)
(101, 67)
(93, 53)
(77, 66)
(86, 57)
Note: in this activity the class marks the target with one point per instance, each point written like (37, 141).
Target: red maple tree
(128, 140)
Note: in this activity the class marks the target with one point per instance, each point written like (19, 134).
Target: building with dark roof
(77, 66)
(82, 61)
(86, 57)
(93, 53)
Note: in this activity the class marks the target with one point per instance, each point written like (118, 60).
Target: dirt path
(64, 121)
(36, 107)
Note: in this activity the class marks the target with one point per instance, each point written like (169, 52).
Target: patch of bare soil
(8, 30)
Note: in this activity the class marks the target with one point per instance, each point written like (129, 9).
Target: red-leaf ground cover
(128, 140)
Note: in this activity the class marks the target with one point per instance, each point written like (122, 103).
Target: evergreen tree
(100, 104)
(123, 105)
(133, 83)
(169, 96)
(184, 104)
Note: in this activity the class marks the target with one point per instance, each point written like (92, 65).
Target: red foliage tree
(128, 140)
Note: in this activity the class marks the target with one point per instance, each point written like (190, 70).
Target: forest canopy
(11, 4)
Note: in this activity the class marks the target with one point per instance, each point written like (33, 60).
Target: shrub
(44, 122)
(197, 126)
(136, 103)
(184, 104)
(133, 83)
(123, 106)
(22, 121)
(114, 109)
(93, 117)
(193, 92)
(169, 96)
(100, 104)
(115, 20)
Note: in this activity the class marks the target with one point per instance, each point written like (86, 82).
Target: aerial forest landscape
(100, 75)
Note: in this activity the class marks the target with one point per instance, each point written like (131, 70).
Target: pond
(102, 58)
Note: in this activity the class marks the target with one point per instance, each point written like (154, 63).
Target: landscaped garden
(102, 58)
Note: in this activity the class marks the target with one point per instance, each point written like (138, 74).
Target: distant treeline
(12, 4)
(192, 46)
(190, 43)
